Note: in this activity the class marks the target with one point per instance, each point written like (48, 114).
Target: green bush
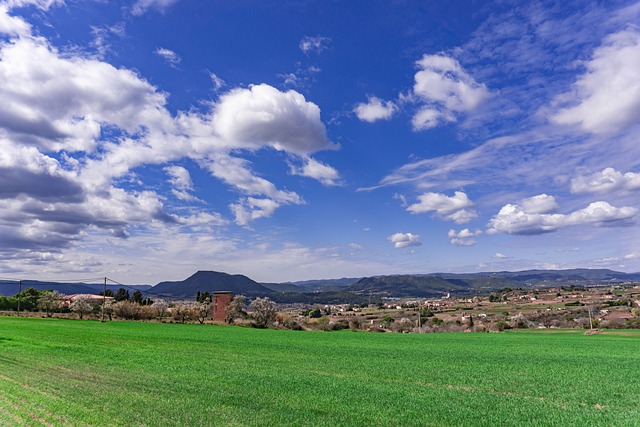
(633, 323)
(339, 325)
(387, 321)
(315, 313)
(574, 304)
(355, 324)
(289, 323)
(502, 325)
(8, 303)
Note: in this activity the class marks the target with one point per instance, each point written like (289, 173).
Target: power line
(136, 289)
(69, 281)
(88, 281)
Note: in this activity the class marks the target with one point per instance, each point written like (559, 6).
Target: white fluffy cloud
(453, 208)
(513, 218)
(404, 240)
(540, 204)
(62, 103)
(606, 181)
(261, 115)
(12, 25)
(446, 90)
(464, 233)
(464, 237)
(375, 109)
(243, 119)
(606, 98)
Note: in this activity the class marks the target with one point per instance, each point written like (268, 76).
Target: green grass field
(57, 372)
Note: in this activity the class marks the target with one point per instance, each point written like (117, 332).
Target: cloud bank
(74, 129)
(515, 219)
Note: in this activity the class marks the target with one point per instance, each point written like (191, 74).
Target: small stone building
(220, 302)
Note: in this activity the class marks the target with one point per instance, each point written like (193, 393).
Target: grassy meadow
(56, 372)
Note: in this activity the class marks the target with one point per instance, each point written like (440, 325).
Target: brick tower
(220, 302)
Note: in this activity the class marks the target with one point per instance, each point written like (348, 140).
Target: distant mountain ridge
(437, 284)
(350, 290)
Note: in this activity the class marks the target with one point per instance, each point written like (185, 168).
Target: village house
(67, 300)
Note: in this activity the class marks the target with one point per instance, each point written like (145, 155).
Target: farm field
(57, 372)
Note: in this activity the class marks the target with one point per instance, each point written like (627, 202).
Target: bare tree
(264, 312)
(81, 305)
(108, 308)
(126, 310)
(161, 309)
(50, 301)
(235, 309)
(403, 325)
(181, 312)
(202, 311)
(519, 321)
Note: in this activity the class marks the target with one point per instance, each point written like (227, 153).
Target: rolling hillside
(406, 286)
(441, 283)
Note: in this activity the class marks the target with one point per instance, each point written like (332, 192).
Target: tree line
(123, 295)
(261, 312)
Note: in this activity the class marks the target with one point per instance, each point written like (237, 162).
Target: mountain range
(350, 290)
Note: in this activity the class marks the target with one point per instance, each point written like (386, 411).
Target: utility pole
(19, 296)
(590, 321)
(104, 298)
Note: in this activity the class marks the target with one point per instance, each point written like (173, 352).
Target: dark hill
(284, 287)
(324, 285)
(211, 281)
(408, 286)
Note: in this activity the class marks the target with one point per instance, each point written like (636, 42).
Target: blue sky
(144, 140)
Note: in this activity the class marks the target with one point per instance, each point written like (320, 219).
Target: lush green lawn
(65, 372)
